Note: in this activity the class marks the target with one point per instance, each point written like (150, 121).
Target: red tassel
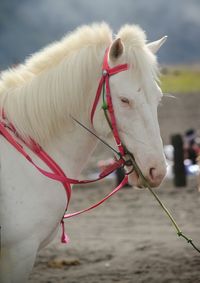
(64, 237)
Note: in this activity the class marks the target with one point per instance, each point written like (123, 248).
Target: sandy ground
(128, 239)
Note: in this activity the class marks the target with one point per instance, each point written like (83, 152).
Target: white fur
(38, 98)
(38, 95)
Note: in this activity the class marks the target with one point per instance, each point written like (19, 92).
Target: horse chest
(31, 202)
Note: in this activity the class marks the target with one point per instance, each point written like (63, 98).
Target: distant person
(192, 149)
(198, 162)
(193, 152)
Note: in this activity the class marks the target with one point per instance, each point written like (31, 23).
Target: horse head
(135, 96)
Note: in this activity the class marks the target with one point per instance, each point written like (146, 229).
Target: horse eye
(125, 100)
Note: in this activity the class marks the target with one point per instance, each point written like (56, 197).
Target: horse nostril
(152, 174)
(156, 176)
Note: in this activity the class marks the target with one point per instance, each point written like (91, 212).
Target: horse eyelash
(125, 100)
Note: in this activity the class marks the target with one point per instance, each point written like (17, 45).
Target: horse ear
(155, 45)
(116, 49)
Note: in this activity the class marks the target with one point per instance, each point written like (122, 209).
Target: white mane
(137, 54)
(38, 95)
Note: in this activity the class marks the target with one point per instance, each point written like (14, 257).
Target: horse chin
(134, 180)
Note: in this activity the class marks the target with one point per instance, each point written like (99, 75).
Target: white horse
(39, 99)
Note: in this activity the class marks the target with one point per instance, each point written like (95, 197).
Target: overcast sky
(33, 24)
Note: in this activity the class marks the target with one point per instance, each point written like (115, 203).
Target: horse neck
(40, 108)
(27, 107)
(71, 150)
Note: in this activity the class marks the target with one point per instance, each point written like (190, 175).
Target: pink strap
(57, 173)
(106, 73)
(101, 82)
(124, 182)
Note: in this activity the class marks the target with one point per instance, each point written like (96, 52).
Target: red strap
(111, 168)
(58, 174)
(106, 73)
(96, 100)
(105, 77)
(124, 182)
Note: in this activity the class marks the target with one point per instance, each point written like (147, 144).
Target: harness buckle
(104, 72)
(129, 163)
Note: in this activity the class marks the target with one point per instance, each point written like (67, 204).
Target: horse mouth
(133, 178)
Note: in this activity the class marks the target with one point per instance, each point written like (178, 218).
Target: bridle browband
(8, 131)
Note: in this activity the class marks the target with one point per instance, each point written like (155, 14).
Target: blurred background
(129, 239)
(26, 25)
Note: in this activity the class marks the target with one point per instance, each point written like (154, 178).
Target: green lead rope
(105, 108)
(146, 184)
(178, 231)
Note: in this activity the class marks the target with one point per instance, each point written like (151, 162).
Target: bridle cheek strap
(107, 72)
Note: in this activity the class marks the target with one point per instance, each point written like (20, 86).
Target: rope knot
(105, 106)
(179, 233)
(104, 73)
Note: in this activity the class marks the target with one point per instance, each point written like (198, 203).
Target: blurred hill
(26, 26)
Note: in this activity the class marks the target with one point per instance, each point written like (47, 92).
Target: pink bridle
(7, 130)
(107, 72)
